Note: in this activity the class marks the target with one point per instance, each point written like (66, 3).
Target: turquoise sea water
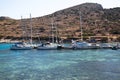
(59, 64)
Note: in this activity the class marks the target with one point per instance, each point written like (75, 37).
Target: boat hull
(47, 48)
(20, 48)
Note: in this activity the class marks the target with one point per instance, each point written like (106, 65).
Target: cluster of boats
(54, 46)
(42, 46)
(75, 45)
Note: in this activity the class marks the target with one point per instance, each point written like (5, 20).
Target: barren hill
(95, 20)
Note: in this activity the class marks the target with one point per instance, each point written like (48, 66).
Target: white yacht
(49, 46)
(84, 45)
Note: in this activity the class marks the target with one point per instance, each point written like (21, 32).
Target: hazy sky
(17, 8)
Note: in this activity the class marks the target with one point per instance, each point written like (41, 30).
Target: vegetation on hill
(94, 19)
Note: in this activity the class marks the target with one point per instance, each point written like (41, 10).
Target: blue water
(59, 64)
(4, 46)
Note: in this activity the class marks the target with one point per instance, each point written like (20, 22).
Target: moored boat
(20, 46)
(25, 45)
(49, 46)
(84, 45)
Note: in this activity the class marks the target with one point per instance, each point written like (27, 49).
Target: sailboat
(51, 45)
(82, 44)
(20, 46)
(24, 45)
(31, 44)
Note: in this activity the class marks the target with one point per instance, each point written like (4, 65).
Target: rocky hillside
(94, 20)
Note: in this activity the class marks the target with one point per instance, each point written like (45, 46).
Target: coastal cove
(98, 64)
(80, 42)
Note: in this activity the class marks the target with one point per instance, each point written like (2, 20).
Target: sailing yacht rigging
(21, 45)
(82, 44)
(31, 44)
(54, 44)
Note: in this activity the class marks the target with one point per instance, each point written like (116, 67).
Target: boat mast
(52, 31)
(56, 32)
(22, 29)
(30, 29)
(81, 26)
